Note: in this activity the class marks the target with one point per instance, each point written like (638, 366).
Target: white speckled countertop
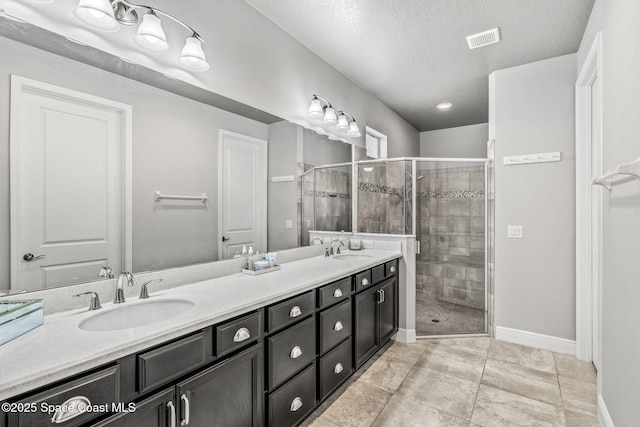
(59, 348)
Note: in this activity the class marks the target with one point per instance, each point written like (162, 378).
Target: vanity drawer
(378, 273)
(290, 351)
(290, 311)
(294, 400)
(391, 268)
(237, 333)
(170, 361)
(334, 292)
(335, 325)
(100, 388)
(334, 368)
(363, 280)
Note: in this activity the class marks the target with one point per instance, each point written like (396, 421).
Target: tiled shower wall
(327, 207)
(452, 234)
(382, 198)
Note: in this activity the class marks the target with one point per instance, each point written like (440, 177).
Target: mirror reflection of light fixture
(107, 15)
(320, 108)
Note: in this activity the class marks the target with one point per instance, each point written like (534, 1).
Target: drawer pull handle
(241, 335)
(337, 293)
(365, 282)
(295, 311)
(187, 410)
(392, 269)
(338, 326)
(80, 404)
(295, 352)
(296, 404)
(339, 368)
(172, 410)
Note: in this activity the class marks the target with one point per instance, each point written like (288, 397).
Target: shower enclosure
(440, 201)
(443, 203)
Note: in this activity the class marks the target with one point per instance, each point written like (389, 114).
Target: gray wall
(532, 111)
(320, 150)
(463, 141)
(175, 150)
(620, 364)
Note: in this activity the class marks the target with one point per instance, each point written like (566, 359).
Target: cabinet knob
(73, 407)
(172, 414)
(337, 293)
(365, 282)
(295, 352)
(338, 326)
(295, 311)
(392, 269)
(296, 404)
(242, 334)
(338, 368)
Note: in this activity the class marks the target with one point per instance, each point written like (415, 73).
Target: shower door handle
(417, 247)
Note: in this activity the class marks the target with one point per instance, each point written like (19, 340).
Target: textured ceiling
(412, 54)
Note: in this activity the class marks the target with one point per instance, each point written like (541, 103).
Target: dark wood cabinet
(375, 318)
(155, 411)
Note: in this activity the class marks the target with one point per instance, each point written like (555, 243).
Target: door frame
(586, 302)
(263, 186)
(18, 86)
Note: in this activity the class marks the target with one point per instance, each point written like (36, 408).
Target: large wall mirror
(178, 134)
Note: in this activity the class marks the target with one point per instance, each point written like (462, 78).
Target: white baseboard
(406, 336)
(533, 339)
(603, 414)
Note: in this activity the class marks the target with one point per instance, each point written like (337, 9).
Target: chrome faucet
(127, 277)
(337, 252)
(94, 303)
(314, 241)
(143, 289)
(106, 271)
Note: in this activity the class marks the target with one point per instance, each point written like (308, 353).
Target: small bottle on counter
(250, 265)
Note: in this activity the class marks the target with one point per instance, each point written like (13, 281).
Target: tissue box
(19, 317)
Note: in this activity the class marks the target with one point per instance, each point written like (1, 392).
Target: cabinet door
(228, 394)
(388, 310)
(365, 337)
(157, 411)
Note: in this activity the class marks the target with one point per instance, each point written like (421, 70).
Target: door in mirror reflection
(243, 198)
(67, 185)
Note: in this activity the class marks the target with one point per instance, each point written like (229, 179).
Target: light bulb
(150, 35)
(98, 14)
(315, 109)
(192, 56)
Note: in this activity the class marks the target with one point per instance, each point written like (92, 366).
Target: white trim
(264, 180)
(603, 413)
(18, 86)
(533, 339)
(406, 336)
(591, 69)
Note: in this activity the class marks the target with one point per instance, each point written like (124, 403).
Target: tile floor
(467, 382)
(451, 318)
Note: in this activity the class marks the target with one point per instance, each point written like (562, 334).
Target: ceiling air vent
(484, 38)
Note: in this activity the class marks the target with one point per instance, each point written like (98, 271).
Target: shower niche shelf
(620, 175)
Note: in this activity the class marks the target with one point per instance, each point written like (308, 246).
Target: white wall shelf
(621, 174)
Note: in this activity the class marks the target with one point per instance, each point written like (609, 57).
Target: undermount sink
(352, 257)
(135, 315)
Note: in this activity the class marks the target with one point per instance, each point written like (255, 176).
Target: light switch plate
(288, 223)
(514, 232)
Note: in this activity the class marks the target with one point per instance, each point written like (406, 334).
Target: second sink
(135, 315)
(351, 257)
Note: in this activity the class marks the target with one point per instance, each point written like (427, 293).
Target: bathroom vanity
(294, 337)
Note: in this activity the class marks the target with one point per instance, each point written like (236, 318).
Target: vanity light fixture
(108, 15)
(320, 108)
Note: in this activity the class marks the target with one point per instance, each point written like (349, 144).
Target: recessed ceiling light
(444, 106)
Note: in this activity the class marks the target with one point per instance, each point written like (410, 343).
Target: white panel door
(596, 220)
(68, 185)
(243, 193)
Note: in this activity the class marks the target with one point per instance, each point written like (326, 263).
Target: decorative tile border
(377, 188)
(326, 194)
(470, 194)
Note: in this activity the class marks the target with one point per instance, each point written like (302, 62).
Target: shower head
(417, 179)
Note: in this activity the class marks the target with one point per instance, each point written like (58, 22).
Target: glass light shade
(354, 131)
(98, 14)
(315, 109)
(192, 57)
(343, 124)
(150, 34)
(330, 117)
